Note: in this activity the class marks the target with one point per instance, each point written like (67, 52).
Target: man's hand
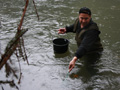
(72, 63)
(61, 31)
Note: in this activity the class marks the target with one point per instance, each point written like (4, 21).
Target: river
(48, 70)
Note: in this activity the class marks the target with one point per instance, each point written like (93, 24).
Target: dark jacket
(87, 38)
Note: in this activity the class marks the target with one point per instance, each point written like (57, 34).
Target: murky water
(47, 70)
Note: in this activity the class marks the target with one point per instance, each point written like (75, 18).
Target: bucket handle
(58, 35)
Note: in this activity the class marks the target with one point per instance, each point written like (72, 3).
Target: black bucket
(60, 45)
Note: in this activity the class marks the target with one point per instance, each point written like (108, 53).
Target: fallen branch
(11, 47)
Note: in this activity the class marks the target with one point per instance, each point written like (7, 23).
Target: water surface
(47, 70)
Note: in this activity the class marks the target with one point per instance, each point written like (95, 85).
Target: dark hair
(85, 10)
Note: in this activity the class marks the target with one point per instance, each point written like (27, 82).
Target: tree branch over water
(13, 44)
(11, 47)
(16, 44)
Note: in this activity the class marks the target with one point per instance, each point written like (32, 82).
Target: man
(87, 35)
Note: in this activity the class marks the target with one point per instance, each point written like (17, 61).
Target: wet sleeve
(69, 28)
(87, 43)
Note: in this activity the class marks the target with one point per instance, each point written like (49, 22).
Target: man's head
(84, 16)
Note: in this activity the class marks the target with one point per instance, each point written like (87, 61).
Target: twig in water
(36, 9)
(24, 51)
(19, 66)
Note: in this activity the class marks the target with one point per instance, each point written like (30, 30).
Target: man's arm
(85, 46)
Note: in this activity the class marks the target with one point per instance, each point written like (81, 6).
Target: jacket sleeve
(69, 28)
(72, 28)
(87, 43)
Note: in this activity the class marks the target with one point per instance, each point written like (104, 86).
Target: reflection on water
(62, 55)
(48, 70)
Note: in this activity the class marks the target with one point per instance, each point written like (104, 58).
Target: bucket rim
(62, 44)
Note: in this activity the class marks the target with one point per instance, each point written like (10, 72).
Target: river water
(48, 70)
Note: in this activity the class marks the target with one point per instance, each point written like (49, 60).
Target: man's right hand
(61, 31)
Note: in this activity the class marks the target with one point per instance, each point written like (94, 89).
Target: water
(47, 70)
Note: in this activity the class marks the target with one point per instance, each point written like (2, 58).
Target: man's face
(84, 19)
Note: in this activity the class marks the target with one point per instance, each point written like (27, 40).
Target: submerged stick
(66, 75)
